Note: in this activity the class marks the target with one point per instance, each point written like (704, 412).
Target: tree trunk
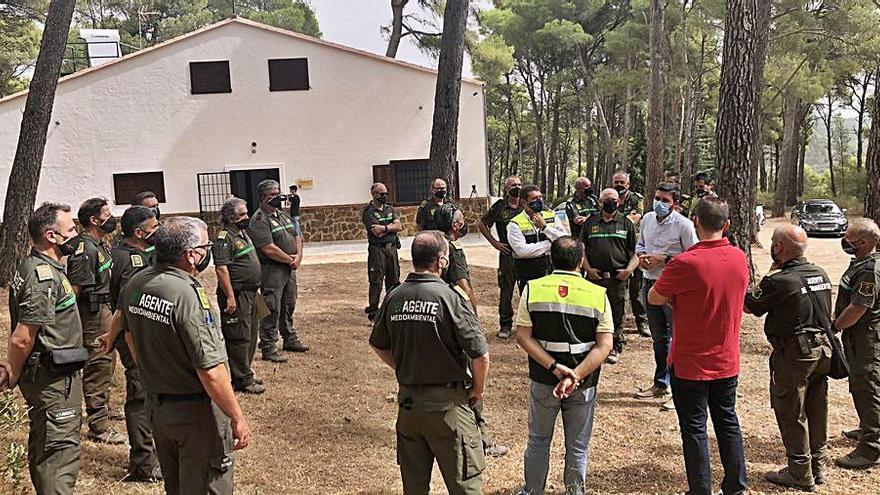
(553, 154)
(655, 100)
(872, 164)
(762, 39)
(826, 119)
(860, 119)
(763, 172)
(444, 130)
(607, 141)
(737, 104)
(789, 143)
(24, 177)
(775, 166)
(396, 27)
(627, 124)
(802, 155)
(590, 150)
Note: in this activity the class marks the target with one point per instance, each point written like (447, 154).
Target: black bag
(839, 367)
(67, 361)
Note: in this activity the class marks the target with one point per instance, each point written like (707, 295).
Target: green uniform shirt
(609, 245)
(633, 202)
(458, 267)
(268, 228)
(426, 214)
(580, 207)
(127, 260)
(860, 285)
(379, 216)
(234, 250)
(90, 266)
(40, 294)
(782, 297)
(500, 214)
(175, 330)
(431, 331)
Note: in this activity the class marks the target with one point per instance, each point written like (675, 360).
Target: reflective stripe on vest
(566, 347)
(524, 223)
(568, 294)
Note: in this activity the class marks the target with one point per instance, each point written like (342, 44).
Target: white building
(237, 102)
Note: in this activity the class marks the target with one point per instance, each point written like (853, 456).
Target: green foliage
(19, 45)
(13, 463)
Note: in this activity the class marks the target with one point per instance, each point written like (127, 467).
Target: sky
(358, 23)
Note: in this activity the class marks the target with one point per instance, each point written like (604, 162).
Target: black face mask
(205, 262)
(149, 239)
(588, 192)
(463, 230)
(514, 192)
(774, 256)
(109, 225)
(275, 202)
(156, 211)
(620, 189)
(440, 193)
(847, 247)
(382, 199)
(609, 206)
(537, 205)
(700, 193)
(243, 224)
(67, 248)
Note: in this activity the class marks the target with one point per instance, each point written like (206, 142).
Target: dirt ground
(326, 425)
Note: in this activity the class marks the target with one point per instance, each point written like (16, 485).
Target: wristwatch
(552, 366)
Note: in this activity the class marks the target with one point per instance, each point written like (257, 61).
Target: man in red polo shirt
(707, 285)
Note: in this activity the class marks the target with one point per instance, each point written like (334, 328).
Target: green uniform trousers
(55, 412)
(241, 331)
(616, 292)
(194, 444)
(98, 372)
(382, 265)
(799, 397)
(635, 283)
(507, 283)
(142, 452)
(278, 285)
(862, 346)
(437, 422)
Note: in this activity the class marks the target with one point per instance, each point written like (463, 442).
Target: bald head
(789, 242)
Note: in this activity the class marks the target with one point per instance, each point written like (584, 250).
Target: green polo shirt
(234, 250)
(127, 260)
(90, 266)
(272, 228)
(458, 266)
(610, 245)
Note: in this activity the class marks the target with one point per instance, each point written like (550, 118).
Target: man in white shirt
(530, 234)
(664, 234)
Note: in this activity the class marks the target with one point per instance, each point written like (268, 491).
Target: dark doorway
(244, 184)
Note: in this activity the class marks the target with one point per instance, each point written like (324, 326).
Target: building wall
(138, 115)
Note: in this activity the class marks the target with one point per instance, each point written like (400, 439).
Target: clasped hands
(568, 381)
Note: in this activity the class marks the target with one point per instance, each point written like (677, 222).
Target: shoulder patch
(203, 298)
(44, 272)
(460, 292)
(423, 203)
(81, 248)
(867, 289)
(456, 244)
(66, 284)
(221, 235)
(137, 260)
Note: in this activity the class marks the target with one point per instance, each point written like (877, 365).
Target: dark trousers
(382, 265)
(660, 324)
(98, 372)
(142, 452)
(278, 286)
(865, 390)
(530, 269)
(635, 284)
(692, 401)
(506, 283)
(240, 330)
(616, 292)
(799, 397)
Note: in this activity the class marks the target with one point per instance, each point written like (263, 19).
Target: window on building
(289, 74)
(408, 181)
(125, 186)
(210, 77)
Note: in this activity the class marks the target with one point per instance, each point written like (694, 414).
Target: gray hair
(582, 180)
(267, 185)
(609, 193)
(622, 174)
(227, 211)
(175, 236)
(376, 186)
(792, 238)
(865, 228)
(427, 247)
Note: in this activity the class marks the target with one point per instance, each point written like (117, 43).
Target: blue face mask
(662, 209)
(537, 205)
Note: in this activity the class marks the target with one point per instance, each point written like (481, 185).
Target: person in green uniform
(89, 269)
(382, 224)
(632, 204)
(857, 314)
(131, 255)
(564, 325)
(499, 215)
(581, 205)
(238, 280)
(178, 344)
(279, 249)
(427, 333)
(610, 242)
(428, 208)
(796, 327)
(46, 353)
(148, 199)
(701, 186)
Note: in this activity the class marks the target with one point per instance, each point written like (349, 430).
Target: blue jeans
(660, 324)
(692, 400)
(577, 422)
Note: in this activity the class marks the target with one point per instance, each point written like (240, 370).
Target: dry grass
(327, 423)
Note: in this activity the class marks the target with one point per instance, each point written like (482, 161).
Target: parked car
(820, 216)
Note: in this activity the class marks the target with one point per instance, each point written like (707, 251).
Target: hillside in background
(817, 154)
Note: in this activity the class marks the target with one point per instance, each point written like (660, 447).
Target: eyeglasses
(204, 246)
